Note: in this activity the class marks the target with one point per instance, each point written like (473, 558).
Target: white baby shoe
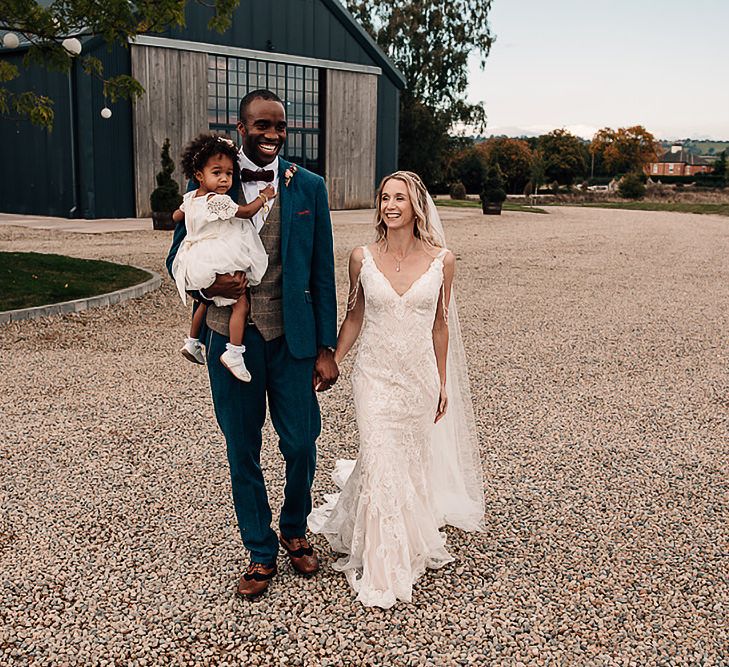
(232, 359)
(192, 351)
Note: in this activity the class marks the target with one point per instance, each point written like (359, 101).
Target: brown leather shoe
(255, 580)
(301, 553)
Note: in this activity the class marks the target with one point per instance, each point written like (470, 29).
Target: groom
(289, 342)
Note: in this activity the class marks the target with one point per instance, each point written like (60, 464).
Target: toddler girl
(217, 241)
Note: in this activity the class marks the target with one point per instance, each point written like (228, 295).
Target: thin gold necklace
(402, 259)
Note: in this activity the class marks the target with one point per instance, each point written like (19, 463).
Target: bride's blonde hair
(418, 198)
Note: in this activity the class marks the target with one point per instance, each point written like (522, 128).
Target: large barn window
(229, 79)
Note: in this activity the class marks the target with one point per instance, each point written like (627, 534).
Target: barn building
(341, 92)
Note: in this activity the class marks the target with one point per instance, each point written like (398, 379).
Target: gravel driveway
(598, 355)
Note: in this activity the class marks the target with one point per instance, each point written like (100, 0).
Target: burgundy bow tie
(248, 175)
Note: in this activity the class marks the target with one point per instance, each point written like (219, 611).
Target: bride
(418, 467)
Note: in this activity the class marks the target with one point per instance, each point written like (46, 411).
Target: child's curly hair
(202, 148)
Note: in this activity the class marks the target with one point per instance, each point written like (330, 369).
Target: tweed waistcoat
(266, 299)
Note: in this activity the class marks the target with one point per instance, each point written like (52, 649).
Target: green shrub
(457, 190)
(631, 186)
(166, 196)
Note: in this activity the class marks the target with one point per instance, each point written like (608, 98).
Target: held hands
(326, 371)
(228, 285)
(442, 405)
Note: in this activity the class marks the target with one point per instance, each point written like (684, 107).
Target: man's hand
(229, 286)
(326, 370)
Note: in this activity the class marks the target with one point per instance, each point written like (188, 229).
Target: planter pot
(491, 208)
(162, 220)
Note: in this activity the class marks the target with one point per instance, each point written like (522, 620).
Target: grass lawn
(35, 279)
(470, 203)
(679, 207)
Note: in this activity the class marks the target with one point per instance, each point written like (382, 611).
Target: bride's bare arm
(440, 330)
(349, 331)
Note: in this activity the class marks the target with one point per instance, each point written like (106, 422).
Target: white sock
(196, 341)
(238, 349)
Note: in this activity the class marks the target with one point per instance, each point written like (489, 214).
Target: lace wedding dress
(386, 519)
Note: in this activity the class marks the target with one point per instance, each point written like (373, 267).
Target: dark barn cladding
(341, 94)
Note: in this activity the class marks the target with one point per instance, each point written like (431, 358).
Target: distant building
(340, 89)
(679, 162)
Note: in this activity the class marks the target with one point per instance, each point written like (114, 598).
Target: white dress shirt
(252, 188)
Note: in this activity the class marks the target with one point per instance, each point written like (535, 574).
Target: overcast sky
(585, 65)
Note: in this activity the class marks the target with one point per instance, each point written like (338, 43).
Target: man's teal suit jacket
(307, 256)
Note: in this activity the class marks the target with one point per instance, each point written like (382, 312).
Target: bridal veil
(456, 476)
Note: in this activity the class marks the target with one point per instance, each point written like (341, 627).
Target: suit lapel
(287, 206)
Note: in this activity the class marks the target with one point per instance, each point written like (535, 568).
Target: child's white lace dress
(216, 242)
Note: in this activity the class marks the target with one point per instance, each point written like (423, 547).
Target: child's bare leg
(238, 318)
(198, 317)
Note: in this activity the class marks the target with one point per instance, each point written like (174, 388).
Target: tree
(419, 121)
(537, 174)
(54, 33)
(625, 149)
(430, 42)
(563, 155)
(469, 167)
(166, 196)
(720, 165)
(513, 157)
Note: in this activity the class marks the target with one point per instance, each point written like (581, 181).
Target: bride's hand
(442, 405)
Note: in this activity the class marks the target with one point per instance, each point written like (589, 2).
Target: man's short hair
(261, 94)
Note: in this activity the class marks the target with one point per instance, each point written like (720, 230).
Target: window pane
(312, 148)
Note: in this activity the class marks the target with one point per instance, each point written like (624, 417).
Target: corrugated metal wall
(35, 169)
(40, 179)
(105, 146)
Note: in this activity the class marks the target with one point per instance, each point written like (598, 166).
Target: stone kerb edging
(108, 299)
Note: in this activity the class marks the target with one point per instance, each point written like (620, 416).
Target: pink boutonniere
(289, 174)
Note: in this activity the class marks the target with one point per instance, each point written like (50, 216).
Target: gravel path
(598, 351)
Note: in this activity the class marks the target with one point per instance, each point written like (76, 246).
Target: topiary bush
(631, 186)
(166, 197)
(457, 190)
(493, 191)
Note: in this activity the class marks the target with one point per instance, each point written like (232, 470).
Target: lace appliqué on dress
(384, 520)
(220, 207)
